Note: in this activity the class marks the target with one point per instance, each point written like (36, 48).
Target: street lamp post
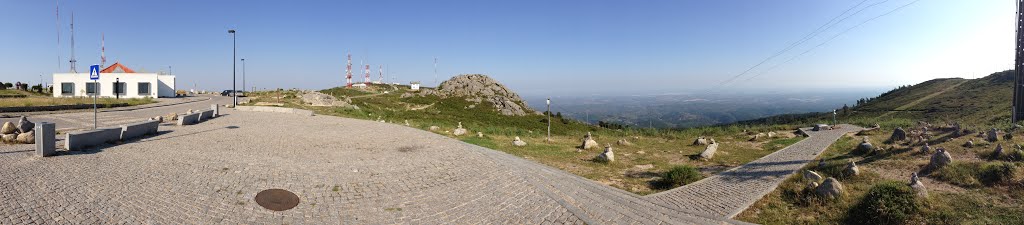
(234, 53)
(243, 75)
(549, 119)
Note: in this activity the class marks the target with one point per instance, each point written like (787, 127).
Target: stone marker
(918, 187)
(46, 140)
(993, 135)
(459, 131)
(25, 126)
(898, 135)
(588, 142)
(851, 169)
(831, 188)
(9, 128)
(926, 148)
(518, 143)
(700, 141)
(27, 137)
(709, 152)
(940, 159)
(812, 176)
(623, 142)
(607, 155)
(998, 152)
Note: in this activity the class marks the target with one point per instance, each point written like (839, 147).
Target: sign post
(94, 75)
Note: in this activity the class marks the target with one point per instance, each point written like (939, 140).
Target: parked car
(229, 93)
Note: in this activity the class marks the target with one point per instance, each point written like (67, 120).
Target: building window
(144, 88)
(119, 88)
(91, 88)
(67, 88)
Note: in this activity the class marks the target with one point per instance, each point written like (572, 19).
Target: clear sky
(535, 47)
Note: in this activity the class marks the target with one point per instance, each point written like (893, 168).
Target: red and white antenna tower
(73, 61)
(348, 71)
(366, 80)
(103, 50)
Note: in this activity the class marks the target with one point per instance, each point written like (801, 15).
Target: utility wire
(807, 37)
(832, 38)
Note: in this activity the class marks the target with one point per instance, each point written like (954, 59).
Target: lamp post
(234, 52)
(243, 75)
(549, 119)
(117, 88)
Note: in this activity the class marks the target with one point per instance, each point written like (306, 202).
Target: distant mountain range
(689, 110)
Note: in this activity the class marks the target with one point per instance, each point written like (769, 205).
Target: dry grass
(47, 101)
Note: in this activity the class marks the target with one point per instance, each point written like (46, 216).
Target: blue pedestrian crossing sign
(94, 72)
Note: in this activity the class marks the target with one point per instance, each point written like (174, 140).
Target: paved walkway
(210, 173)
(729, 193)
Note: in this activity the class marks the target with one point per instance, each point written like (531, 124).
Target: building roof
(117, 68)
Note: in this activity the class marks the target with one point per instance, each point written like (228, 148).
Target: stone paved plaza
(346, 171)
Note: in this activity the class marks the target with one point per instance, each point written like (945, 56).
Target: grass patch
(964, 174)
(680, 175)
(886, 203)
(48, 101)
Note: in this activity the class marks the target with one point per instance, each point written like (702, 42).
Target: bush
(681, 175)
(959, 173)
(890, 202)
(997, 173)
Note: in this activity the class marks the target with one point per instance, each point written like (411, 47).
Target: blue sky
(535, 47)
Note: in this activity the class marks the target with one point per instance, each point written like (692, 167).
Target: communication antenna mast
(348, 71)
(435, 72)
(366, 79)
(103, 50)
(73, 70)
(57, 11)
(380, 74)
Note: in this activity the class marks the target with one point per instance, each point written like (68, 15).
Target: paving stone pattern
(729, 193)
(343, 170)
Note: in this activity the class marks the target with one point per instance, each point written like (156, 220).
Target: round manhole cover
(277, 199)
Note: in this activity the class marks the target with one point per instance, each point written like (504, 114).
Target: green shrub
(889, 202)
(997, 173)
(681, 175)
(959, 173)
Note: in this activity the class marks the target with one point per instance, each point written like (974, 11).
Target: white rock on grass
(700, 141)
(709, 152)
(831, 188)
(459, 131)
(518, 143)
(917, 186)
(607, 155)
(812, 176)
(434, 128)
(479, 134)
(589, 142)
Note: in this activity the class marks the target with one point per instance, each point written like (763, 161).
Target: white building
(415, 85)
(132, 84)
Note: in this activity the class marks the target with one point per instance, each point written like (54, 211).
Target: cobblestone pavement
(344, 171)
(729, 193)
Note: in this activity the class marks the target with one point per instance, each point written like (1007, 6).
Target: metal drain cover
(277, 199)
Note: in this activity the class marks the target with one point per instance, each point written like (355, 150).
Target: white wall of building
(159, 85)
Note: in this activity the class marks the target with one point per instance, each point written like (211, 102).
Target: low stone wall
(57, 107)
(275, 109)
(205, 115)
(75, 141)
(188, 119)
(133, 130)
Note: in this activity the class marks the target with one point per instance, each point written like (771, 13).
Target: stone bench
(188, 119)
(133, 130)
(79, 140)
(205, 115)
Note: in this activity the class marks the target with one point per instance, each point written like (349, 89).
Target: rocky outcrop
(479, 88)
(315, 98)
